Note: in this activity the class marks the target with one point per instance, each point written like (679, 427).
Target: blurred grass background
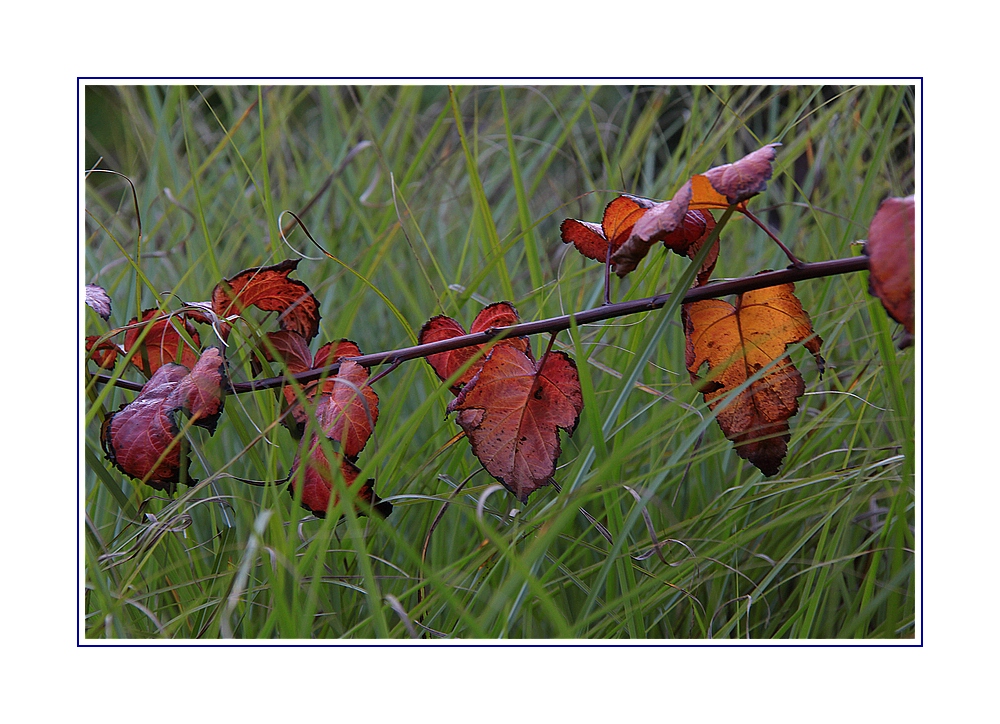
(435, 200)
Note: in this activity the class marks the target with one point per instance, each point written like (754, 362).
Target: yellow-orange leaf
(737, 342)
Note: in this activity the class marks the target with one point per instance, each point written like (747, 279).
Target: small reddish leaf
(512, 411)
(747, 177)
(162, 341)
(348, 408)
(140, 432)
(446, 364)
(890, 249)
(592, 240)
(736, 343)
(317, 483)
(290, 349)
(104, 354)
(99, 301)
(329, 354)
(269, 288)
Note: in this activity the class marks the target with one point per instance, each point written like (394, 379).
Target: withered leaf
(269, 288)
(99, 301)
(592, 240)
(139, 433)
(736, 343)
(290, 349)
(317, 482)
(512, 411)
(747, 177)
(890, 249)
(682, 229)
(163, 340)
(441, 327)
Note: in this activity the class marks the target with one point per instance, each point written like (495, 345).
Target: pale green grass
(458, 199)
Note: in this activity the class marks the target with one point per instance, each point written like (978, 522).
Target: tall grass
(434, 200)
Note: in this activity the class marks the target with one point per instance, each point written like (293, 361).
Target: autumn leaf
(592, 240)
(736, 343)
(681, 229)
(317, 482)
(289, 349)
(747, 177)
(269, 288)
(512, 411)
(141, 432)
(347, 409)
(353, 380)
(104, 353)
(441, 327)
(99, 301)
(890, 249)
(717, 188)
(162, 342)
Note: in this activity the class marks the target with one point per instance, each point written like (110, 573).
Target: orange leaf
(446, 364)
(592, 240)
(512, 411)
(162, 342)
(317, 482)
(681, 228)
(890, 249)
(269, 288)
(139, 433)
(736, 343)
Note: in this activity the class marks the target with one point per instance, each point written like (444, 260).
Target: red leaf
(104, 354)
(317, 483)
(512, 411)
(290, 350)
(736, 343)
(162, 341)
(270, 289)
(446, 364)
(99, 300)
(348, 408)
(344, 416)
(890, 249)
(139, 433)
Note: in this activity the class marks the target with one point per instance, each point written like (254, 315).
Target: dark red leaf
(139, 433)
(162, 341)
(890, 248)
(512, 411)
(104, 354)
(446, 364)
(317, 483)
(269, 288)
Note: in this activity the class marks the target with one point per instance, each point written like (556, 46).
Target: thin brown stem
(815, 270)
(791, 257)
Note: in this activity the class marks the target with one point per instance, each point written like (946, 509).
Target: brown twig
(815, 270)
